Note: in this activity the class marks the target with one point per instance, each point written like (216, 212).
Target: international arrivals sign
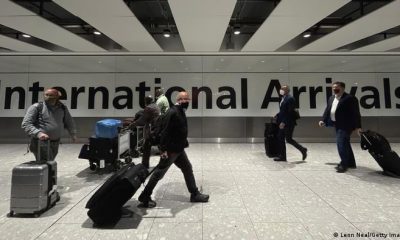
(213, 94)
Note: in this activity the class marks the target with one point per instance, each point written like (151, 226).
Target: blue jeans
(344, 148)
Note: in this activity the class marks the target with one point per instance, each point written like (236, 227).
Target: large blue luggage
(108, 128)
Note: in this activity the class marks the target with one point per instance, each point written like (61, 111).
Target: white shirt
(334, 106)
(283, 98)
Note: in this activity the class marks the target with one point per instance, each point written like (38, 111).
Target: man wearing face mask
(343, 113)
(172, 145)
(46, 121)
(286, 121)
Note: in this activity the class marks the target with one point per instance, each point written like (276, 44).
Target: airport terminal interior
(251, 197)
(241, 63)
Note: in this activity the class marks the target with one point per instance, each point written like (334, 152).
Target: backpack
(156, 130)
(40, 110)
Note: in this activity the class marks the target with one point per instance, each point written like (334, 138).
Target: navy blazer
(347, 113)
(286, 110)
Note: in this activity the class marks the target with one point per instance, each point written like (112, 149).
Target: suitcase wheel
(128, 160)
(92, 166)
(11, 214)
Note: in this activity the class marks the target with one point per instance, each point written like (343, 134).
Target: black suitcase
(271, 139)
(106, 204)
(379, 147)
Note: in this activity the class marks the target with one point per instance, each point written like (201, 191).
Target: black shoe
(199, 197)
(304, 153)
(353, 167)
(146, 202)
(278, 159)
(341, 169)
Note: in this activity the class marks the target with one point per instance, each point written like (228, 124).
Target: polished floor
(251, 197)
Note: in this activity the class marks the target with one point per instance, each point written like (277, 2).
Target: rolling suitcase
(106, 204)
(379, 147)
(34, 186)
(271, 139)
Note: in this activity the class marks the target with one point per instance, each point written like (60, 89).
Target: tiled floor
(251, 197)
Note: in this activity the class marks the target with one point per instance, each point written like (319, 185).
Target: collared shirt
(283, 98)
(334, 107)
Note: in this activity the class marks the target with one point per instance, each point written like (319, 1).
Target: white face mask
(281, 92)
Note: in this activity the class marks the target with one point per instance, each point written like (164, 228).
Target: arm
(167, 129)
(326, 114)
(69, 124)
(287, 111)
(29, 123)
(356, 114)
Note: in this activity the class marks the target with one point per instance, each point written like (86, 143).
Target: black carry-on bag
(34, 184)
(379, 147)
(106, 204)
(271, 139)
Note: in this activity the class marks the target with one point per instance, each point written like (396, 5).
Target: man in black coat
(343, 113)
(287, 122)
(173, 142)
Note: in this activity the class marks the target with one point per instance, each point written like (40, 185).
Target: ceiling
(199, 26)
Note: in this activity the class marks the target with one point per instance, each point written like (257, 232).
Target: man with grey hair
(287, 122)
(173, 142)
(46, 121)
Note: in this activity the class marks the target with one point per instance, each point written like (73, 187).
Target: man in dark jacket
(172, 145)
(150, 113)
(343, 113)
(287, 122)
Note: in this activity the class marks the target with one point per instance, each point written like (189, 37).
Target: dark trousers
(146, 153)
(181, 161)
(344, 148)
(45, 153)
(287, 133)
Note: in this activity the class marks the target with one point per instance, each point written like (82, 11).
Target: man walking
(46, 121)
(343, 113)
(287, 122)
(173, 142)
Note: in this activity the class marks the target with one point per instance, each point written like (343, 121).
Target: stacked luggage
(271, 139)
(105, 206)
(379, 147)
(111, 143)
(34, 185)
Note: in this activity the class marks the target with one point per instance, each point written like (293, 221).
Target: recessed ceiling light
(97, 33)
(236, 30)
(26, 35)
(262, 61)
(307, 34)
(167, 33)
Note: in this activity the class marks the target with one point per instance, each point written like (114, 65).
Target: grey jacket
(52, 123)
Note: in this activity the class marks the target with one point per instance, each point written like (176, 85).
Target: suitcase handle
(39, 158)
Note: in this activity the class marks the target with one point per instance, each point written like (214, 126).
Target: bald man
(46, 121)
(173, 142)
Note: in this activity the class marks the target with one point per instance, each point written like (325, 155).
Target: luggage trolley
(108, 151)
